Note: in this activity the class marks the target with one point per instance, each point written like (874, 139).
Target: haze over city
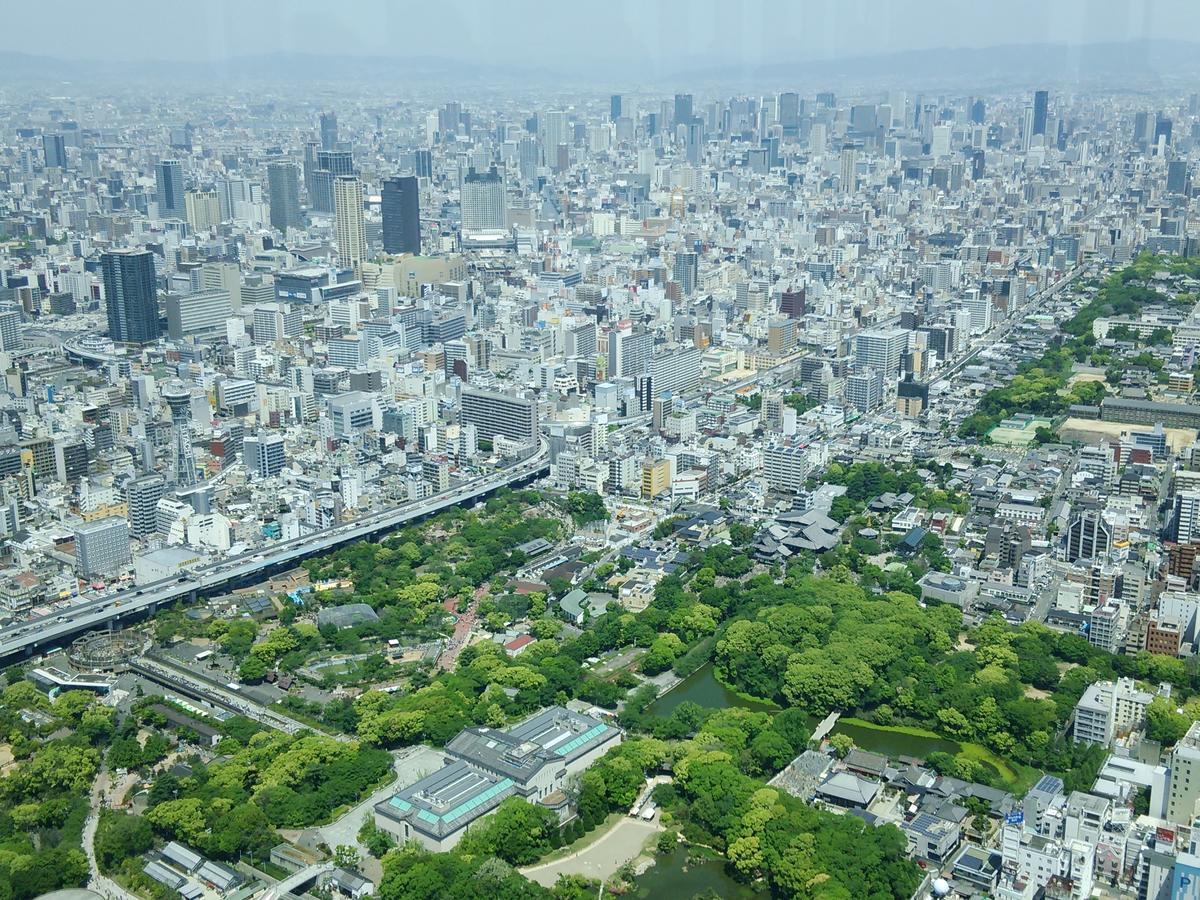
(532, 451)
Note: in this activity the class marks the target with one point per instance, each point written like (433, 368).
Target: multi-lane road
(25, 638)
(1002, 330)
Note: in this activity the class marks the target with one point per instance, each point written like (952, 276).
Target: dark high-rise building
(54, 148)
(977, 164)
(310, 166)
(1177, 177)
(339, 162)
(1088, 536)
(329, 130)
(131, 296)
(792, 303)
(683, 109)
(320, 196)
(169, 176)
(285, 196)
(978, 112)
(1141, 126)
(423, 162)
(401, 215)
(1162, 128)
(1041, 108)
(789, 113)
(614, 107)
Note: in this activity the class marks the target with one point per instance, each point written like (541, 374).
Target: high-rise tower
(179, 400)
(348, 218)
(130, 296)
(401, 215)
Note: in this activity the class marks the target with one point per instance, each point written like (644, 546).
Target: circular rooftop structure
(105, 651)
(71, 894)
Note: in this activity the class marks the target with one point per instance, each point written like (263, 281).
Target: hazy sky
(576, 34)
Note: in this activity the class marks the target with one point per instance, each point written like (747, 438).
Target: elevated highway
(23, 639)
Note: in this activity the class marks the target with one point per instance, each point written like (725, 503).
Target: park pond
(675, 875)
(703, 688)
(683, 874)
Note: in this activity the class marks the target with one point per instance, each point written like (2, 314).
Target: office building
(170, 195)
(197, 315)
(1178, 179)
(423, 163)
(264, 455)
(275, 322)
(1185, 518)
(202, 210)
(284, 186)
(849, 166)
(675, 371)
(656, 477)
(329, 130)
(10, 328)
(1088, 536)
(141, 503)
(482, 201)
(629, 352)
(401, 215)
(789, 113)
(1109, 709)
(882, 350)
(686, 271)
(494, 413)
(348, 218)
(131, 296)
(614, 107)
(102, 547)
(683, 109)
(353, 412)
(1041, 104)
(54, 151)
(336, 162)
(1184, 787)
(320, 193)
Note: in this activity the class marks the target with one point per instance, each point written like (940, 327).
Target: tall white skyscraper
(348, 216)
(849, 165)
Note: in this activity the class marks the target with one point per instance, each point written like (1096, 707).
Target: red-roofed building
(517, 645)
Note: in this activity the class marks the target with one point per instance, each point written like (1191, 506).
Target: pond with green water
(684, 874)
(703, 688)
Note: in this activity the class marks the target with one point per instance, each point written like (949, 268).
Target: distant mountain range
(276, 67)
(1129, 64)
(1151, 60)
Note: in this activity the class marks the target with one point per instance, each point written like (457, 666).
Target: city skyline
(544, 452)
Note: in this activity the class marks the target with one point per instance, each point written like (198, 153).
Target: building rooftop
(449, 799)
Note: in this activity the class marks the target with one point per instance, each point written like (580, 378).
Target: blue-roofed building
(436, 810)
(533, 759)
